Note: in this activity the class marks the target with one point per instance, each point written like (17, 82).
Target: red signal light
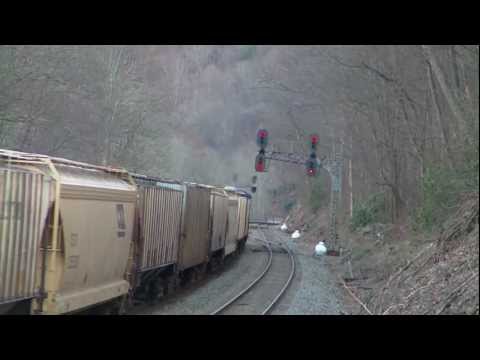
(262, 138)
(260, 163)
(314, 139)
(260, 166)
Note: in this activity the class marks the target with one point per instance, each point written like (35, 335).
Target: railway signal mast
(262, 141)
(313, 164)
(253, 187)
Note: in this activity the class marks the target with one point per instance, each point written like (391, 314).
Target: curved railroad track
(263, 293)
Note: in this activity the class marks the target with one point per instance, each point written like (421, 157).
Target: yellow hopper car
(86, 221)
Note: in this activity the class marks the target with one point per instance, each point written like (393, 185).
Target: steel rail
(287, 283)
(241, 293)
(267, 267)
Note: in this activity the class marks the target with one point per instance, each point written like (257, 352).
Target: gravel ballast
(206, 296)
(313, 290)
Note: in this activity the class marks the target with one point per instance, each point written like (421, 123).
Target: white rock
(320, 249)
(283, 227)
(296, 234)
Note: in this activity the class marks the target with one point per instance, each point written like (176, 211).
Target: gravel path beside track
(315, 291)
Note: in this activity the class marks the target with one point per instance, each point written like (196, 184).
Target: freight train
(75, 237)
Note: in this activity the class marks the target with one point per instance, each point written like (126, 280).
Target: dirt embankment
(388, 269)
(313, 227)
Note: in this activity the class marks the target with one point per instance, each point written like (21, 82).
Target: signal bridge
(313, 165)
(326, 163)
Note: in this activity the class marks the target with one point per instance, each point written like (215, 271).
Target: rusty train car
(76, 237)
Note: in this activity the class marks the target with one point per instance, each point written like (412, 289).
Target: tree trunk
(448, 94)
(441, 121)
(456, 71)
(350, 185)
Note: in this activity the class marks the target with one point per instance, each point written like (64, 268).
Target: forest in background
(405, 117)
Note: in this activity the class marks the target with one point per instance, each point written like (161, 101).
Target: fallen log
(355, 297)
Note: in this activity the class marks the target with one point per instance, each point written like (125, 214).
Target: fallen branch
(398, 273)
(418, 289)
(409, 263)
(358, 286)
(363, 287)
(391, 307)
(419, 268)
(408, 297)
(455, 293)
(355, 297)
(355, 278)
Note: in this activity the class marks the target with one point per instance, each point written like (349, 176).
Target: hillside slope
(389, 269)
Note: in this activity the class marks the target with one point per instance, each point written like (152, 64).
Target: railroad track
(263, 293)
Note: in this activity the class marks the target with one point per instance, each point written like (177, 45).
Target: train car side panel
(24, 199)
(97, 238)
(219, 221)
(232, 229)
(195, 240)
(160, 208)
(249, 209)
(89, 264)
(241, 217)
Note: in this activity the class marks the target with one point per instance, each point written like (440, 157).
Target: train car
(86, 234)
(159, 213)
(218, 223)
(26, 194)
(75, 236)
(239, 212)
(243, 217)
(244, 201)
(194, 239)
(232, 225)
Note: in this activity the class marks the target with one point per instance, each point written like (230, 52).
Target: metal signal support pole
(334, 167)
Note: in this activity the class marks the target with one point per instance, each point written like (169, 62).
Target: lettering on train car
(73, 261)
(74, 239)
(121, 217)
(121, 221)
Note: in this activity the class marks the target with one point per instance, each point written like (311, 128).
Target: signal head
(260, 163)
(262, 138)
(314, 138)
(311, 167)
